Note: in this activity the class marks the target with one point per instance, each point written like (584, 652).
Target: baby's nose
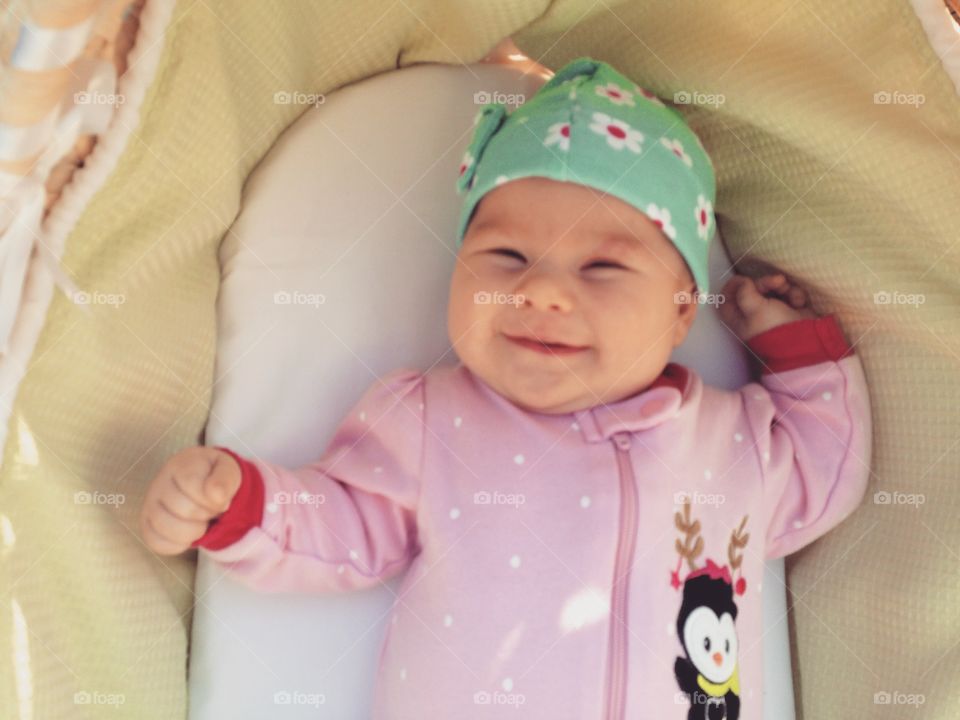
(544, 292)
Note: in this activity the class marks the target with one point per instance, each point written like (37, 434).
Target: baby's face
(565, 264)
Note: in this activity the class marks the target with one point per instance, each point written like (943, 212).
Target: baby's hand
(193, 487)
(748, 310)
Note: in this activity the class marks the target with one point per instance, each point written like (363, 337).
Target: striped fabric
(57, 81)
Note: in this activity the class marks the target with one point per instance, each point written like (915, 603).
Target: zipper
(626, 545)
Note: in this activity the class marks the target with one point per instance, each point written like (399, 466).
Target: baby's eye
(604, 264)
(507, 252)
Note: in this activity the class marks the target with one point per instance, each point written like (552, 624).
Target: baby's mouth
(546, 348)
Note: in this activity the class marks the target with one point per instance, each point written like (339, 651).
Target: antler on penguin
(738, 541)
(692, 544)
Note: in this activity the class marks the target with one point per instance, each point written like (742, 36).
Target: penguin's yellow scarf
(720, 689)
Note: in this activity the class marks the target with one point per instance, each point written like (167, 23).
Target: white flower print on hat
(618, 133)
(615, 94)
(704, 211)
(661, 218)
(559, 134)
(676, 147)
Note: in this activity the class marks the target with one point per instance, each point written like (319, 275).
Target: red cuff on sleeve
(800, 343)
(245, 511)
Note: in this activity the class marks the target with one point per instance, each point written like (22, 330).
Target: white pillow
(351, 218)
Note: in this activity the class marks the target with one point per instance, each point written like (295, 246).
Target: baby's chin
(552, 398)
(536, 402)
(555, 393)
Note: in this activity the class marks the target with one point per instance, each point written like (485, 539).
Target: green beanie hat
(593, 126)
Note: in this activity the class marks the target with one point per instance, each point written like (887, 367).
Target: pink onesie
(605, 563)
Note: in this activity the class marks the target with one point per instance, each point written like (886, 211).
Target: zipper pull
(622, 439)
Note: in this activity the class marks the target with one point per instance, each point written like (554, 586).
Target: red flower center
(616, 132)
(703, 217)
(613, 93)
(565, 131)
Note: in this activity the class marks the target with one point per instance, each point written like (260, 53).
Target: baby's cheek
(629, 334)
(462, 287)
(458, 318)
(469, 315)
(618, 319)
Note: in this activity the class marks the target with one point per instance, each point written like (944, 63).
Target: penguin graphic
(708, 673)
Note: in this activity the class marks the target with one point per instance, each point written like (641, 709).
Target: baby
(583, 523)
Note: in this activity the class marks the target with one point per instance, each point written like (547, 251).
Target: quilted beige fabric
(853, 196)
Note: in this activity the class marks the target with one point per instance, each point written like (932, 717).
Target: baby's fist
(753, 306)
(193, 487)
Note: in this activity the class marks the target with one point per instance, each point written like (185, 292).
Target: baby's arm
(809, 415)
(347, 520)
(810, 420)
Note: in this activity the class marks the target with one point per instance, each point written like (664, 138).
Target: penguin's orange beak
(717, 658)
